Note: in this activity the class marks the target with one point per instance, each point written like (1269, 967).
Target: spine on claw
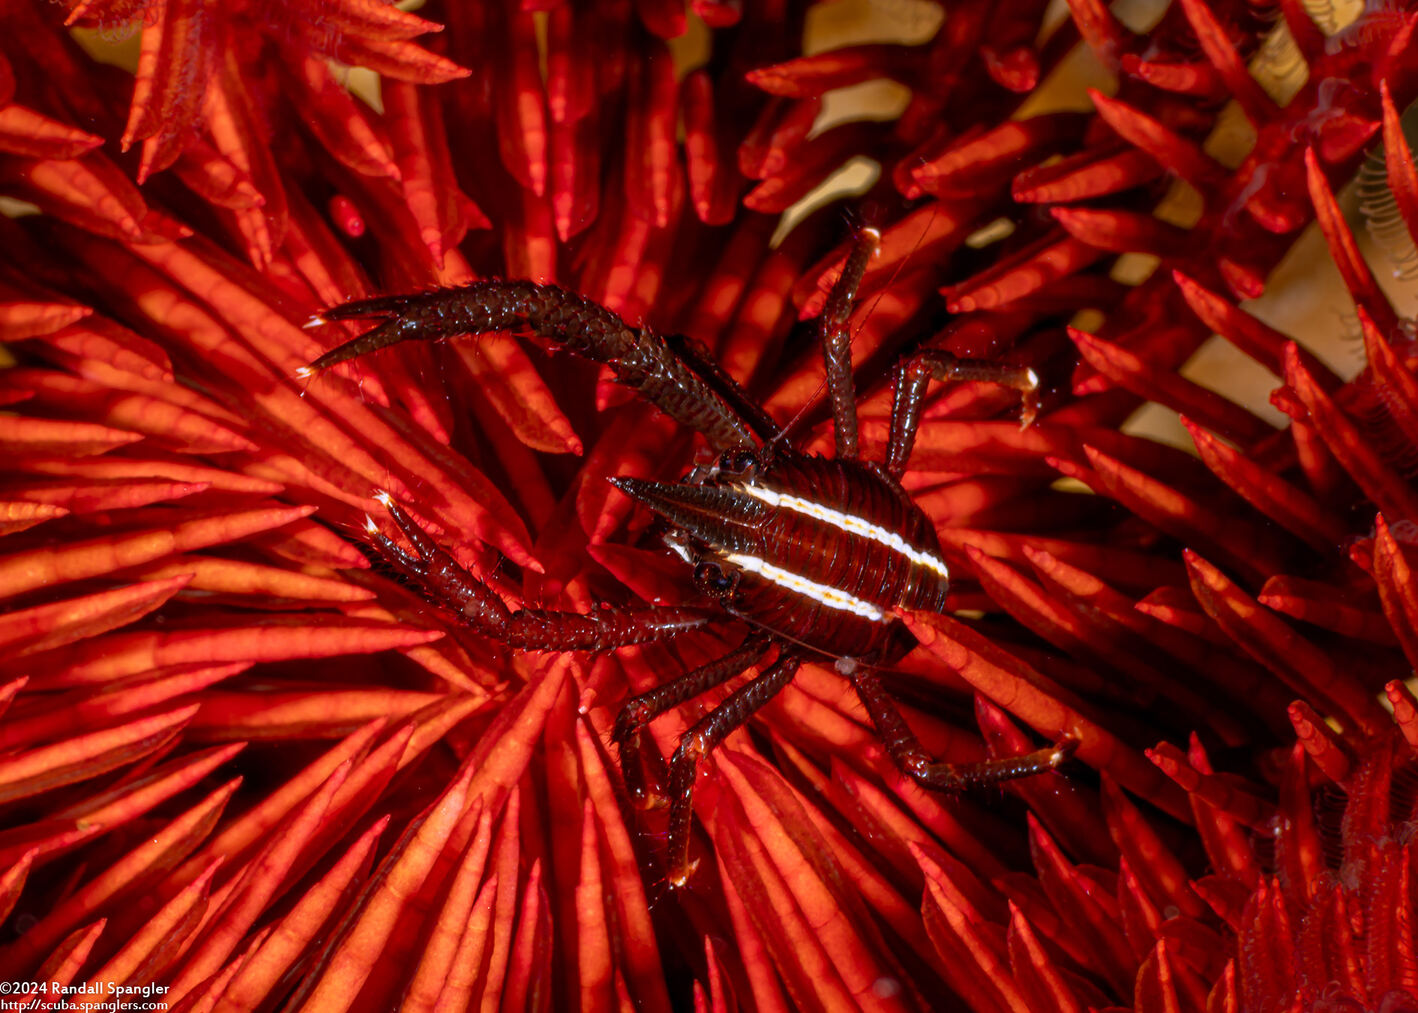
(478, 308)
(603, 629)
(639, 359)
(445, 580)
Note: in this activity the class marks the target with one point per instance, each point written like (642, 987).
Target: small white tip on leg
(304, 373)
(872, 235)
(370, 528)
(679, 880)
(380, 496)
(316, 321)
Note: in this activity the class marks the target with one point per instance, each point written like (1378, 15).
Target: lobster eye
(737, 462)
(711, 578)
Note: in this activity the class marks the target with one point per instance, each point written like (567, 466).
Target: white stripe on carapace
(848, 523)
(823, 594)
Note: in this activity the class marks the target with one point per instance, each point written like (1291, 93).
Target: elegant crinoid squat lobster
(813, 555)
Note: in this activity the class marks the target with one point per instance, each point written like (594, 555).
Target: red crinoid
(240, 768)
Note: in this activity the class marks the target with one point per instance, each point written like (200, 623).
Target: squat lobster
(813, 554)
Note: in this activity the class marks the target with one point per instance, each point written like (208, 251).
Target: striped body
(819, 552)
(814, 555)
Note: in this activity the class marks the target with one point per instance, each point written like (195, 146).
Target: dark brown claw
(639, 359)
(816, 556)
(445, 580)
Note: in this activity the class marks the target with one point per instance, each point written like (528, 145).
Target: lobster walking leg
(837, 342)
(917, 764)
(700, 741)
(639, 711)
(914, 374)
